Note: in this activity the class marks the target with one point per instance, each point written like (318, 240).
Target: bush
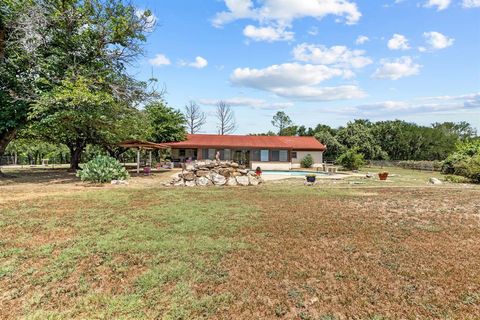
(102, 169)
(421, 165)
(351, 160)
(469, 168)
(307, 161)
(456, 179)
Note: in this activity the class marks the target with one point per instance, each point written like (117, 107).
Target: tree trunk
(75, 154)
(5, 139)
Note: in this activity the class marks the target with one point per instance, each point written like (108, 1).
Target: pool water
(292, 173)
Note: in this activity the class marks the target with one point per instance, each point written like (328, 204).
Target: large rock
(203, 182)
(253, 180)
(243, 180)
(202, 173)
(188, 176)
(234, 165)
(190, 183)
(217, 179)
(189, 167)
(178, 183)
(231, 181)
(224, 172)
(235, 174)
(435, 181)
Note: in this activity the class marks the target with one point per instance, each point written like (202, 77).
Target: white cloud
(339, 56)
(421, 105)
(268, 34)
(471, 4)
(361, 39)
(398, 42)
(437, 41)
(275, 15)
(440, 4)
(297, 81)
(285, 11)
(160, 60)
(248, 102)
(396, 68)
(199, 63)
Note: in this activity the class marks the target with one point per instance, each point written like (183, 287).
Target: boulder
(243, 180)
(435, 181)
(178, 183)
(224, 172)
(188, 176)
(189, 167)
(231, 181)
(236, 174)
(234, 165)
(243, 171)
(202, 173)
(203, 182)
(253, 180)
(190, 183)
(217, 179)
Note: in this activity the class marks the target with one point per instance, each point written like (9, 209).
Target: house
(266, 152)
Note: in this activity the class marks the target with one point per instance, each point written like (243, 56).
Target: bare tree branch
(226, 118)
(195, 117)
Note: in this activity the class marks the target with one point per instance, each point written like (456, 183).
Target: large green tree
(166, 124)
(89, 89)
(22, 44)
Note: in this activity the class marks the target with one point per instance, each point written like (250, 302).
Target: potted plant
(383, 175)
(311, 177)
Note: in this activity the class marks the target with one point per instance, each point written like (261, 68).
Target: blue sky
(320, 61)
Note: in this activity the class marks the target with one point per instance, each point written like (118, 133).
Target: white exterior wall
(316, 155)
(267, 165)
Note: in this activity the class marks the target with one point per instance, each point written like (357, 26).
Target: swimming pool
(293, 173)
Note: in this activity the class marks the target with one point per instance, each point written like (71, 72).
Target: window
(226, 154)
(294, 154)
(283, 155)
(182, 153)
(211, 154)
(264, 155)
(275, 155)
(255, 155)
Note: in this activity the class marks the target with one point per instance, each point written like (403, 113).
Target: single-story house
(266, 152)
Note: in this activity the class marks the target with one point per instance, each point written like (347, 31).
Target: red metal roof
(254, 142)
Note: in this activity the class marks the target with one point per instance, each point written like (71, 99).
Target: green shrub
(456, 179)
(469, 168)
(307, 161)
(102, 169)
(351, 160)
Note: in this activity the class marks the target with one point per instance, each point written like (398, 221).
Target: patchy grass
(336, 250)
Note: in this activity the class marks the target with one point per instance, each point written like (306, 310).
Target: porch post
(150, 158)
(138, 160)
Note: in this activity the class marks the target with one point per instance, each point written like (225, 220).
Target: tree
(195, 118)
(226, 118)
(88, 88)
(281, 121)
(21, 45)
(358, 135)
(167, 124)
(76, 113)
(334, 148)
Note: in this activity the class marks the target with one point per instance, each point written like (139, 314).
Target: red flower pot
(383, 175)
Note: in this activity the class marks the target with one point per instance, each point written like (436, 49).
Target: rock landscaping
(218, 173)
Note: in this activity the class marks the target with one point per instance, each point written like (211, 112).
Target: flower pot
(383, 175)
(311, 178)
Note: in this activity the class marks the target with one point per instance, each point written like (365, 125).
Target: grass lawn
(354, 248)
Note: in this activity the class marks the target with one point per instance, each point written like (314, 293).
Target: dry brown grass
(332, 251)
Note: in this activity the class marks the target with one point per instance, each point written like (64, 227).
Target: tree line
(382, 140)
